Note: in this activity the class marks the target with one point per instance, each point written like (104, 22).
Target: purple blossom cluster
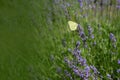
(82, 35)
(119, 62)
(118, 70)
(109, 76)
(90, 32)
(118, 4)
(113, 40)
(79, 66)
(81, 3)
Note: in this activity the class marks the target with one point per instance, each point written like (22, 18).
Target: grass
(24, 43)
(31, 32)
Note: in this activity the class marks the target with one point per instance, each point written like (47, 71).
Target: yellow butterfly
(72, 25)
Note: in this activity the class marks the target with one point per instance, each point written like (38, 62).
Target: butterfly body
(72, 25)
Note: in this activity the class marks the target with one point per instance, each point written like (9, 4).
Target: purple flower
(92, 36)
(94, 43)
(68, 4)
(118, 1)
(118, 61)
(118, 70)
(82, 35)
(66, 60)
(112, 37)
(82, 61)
(63, 7)
(87, 71)
(118, 6)
(81, 3)
(69, 63)
(76, 52)
(94, 69)
(90, 31)
(113, 40)
(78, 72)
(77, 44)
(68, 74)
(109, 76)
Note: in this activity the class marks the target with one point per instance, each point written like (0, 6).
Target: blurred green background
(24, 39)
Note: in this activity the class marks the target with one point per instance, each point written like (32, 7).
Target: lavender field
(37, 42)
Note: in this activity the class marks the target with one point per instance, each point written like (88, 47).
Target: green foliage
(35, 38)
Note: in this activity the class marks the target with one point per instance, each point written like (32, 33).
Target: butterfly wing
(72, 25)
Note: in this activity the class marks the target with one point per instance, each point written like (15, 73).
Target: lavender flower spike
(82, 35)
(90, 30)
(118, 1)
(118, 4)
(118, 70)
(118, 61)
(109, 76)
(87, 71)
(77, 44)
(113, 39)
(81, 3)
